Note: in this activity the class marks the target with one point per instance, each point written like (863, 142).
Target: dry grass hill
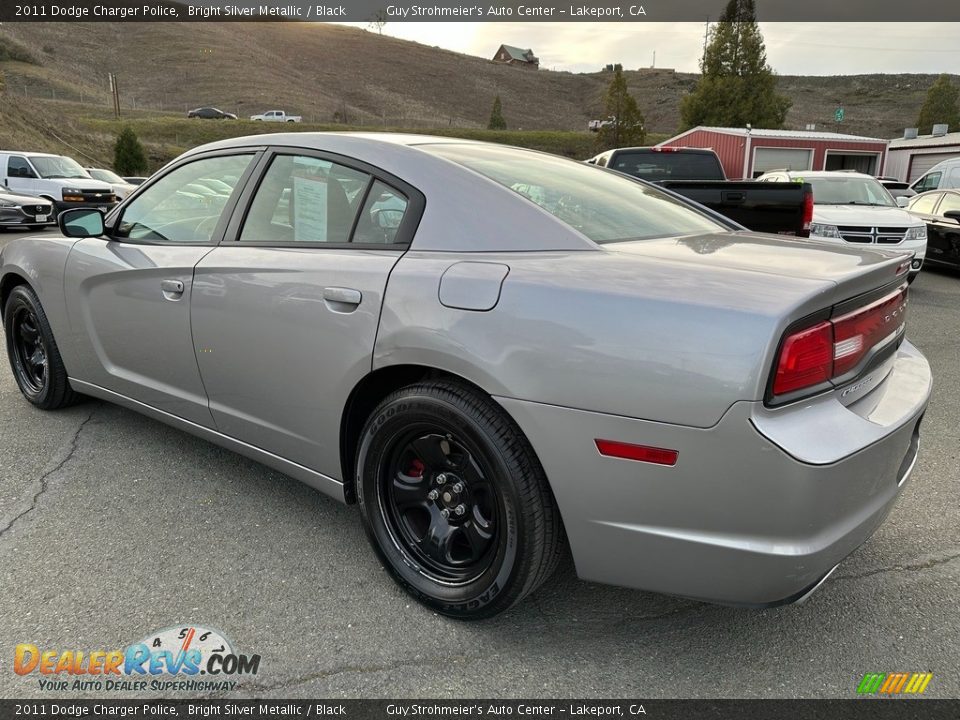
(328, 73)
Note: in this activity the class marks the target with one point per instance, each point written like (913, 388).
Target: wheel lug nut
(445, 513)
(433, 495)
(458, 487)
(441, 479)
(460, 509)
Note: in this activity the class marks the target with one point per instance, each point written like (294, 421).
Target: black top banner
(467, 11)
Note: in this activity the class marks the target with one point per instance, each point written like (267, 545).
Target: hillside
(328, 72)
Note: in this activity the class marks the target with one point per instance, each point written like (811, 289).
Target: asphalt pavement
(113, 526)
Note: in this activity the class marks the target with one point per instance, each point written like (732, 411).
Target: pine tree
(497, 122)
(128, 155)
(941, 106)
(737, 86)
(626, 126)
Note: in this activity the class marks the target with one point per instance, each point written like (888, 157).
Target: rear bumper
(758, 508)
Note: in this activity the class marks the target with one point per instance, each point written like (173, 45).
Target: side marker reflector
(640, 453)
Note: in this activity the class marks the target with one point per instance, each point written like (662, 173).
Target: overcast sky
(792, 48)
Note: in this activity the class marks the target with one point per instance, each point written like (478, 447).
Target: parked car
(695, 173)
(940, 210)
(942, 176)
(898, 190)
(713, 414)
(135, 180)
(850, 207)
(121, 188)
(210, 113)
(276, 116)
(24, 210)
(55, 178)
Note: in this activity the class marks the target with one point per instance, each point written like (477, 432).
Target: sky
(792, 48)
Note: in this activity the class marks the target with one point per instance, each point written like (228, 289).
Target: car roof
(29, 152)
(820, 173)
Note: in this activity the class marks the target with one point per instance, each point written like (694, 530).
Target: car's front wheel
(455, 501)
(33, 353)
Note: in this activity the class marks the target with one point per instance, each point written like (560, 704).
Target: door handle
(346, 296)
(173, 287)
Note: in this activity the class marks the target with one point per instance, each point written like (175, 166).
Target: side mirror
(953, 215)
(81, 223)
(903, 201)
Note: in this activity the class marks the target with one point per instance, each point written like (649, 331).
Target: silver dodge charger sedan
(499, 355)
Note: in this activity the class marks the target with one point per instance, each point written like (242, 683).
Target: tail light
(830, 349)
(807, 212)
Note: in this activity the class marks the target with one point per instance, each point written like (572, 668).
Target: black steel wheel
(455, 501)
(33, 353)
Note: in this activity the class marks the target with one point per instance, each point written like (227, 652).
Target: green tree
(941, 106)
(128, 155)
(626, 120)
(737, 85)
(497, 121)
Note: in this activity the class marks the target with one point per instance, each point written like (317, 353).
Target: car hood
(863, 215)
(23, 199)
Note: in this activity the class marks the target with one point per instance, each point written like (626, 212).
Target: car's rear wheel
(455, 501)
(33, 353)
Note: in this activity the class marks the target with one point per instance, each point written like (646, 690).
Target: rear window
(603, 206)
(656, 166)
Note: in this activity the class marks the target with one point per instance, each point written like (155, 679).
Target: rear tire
(455, 502)
(33, 353)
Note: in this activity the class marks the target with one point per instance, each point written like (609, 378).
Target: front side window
(19, 167)
(605, 207)
(180, 207)
(307, 200)
(950, 202)
(930, 181)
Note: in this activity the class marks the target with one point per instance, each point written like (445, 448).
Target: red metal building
(746, 153)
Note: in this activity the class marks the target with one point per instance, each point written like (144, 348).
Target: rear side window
(304, 199)
(953, 177)
(655, 166)
(925, 203)
(950, 202)
(604, 206)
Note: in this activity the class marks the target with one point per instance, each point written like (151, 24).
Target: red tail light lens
(807, 211)
(831, 348)
(806, 359)
(855, 333)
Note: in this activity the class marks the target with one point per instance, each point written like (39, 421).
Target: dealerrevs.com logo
(185, 657)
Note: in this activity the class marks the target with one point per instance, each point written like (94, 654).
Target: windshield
(604, 206)
(106, 176)
(655, 166)
(848, 191)
(57, 167)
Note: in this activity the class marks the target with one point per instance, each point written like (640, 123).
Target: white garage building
(911, 156)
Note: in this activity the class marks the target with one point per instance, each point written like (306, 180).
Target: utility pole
(706, 34)
(115, 93)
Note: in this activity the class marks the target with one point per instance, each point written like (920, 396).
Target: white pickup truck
(276, 116)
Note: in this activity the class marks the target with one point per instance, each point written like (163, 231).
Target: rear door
(285, 311)
(130, 291)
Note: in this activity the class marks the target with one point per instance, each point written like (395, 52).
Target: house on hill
(510, 55)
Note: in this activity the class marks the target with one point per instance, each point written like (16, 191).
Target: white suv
(850, 207)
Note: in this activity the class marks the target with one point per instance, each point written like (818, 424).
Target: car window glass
(305, 199)
(380, 216)
(605, 207)
(18, 167)
(179, 207)
(924, 203)
(953, 177)
(950, 202)
(930, 181)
